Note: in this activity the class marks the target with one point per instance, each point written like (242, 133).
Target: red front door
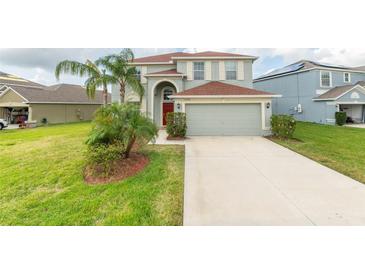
(166, 108)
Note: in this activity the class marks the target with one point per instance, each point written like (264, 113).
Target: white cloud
(38, 64)
(342, 56)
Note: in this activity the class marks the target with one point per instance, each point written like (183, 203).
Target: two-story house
(214, 89)
(313, 91)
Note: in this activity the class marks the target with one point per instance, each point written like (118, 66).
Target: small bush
(44, 121)
(340, 118)
(283, 126)
(176, 124)
(102, 156)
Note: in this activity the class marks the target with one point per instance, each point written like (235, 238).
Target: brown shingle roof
(169, 56)
(160, 58)
(218, 54)
(170, 71)
(62, 93)
(338, 91)
(219, 88)
(8, 79)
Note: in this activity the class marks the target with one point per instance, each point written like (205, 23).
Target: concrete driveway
(253, 181)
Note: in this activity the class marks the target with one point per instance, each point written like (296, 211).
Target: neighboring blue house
(214, 89)
(314, 91)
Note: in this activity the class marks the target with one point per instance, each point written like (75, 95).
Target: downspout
(297, 88)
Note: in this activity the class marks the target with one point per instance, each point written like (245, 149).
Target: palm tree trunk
(105, 97)
(122, 92)
(129, 147)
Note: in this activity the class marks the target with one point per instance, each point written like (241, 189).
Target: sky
(38, 65)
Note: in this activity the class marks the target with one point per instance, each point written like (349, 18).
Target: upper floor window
(326, 78)
(231, 70)
(346, 77)
(198, 70)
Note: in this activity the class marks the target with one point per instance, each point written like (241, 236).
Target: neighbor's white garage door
(223, 119)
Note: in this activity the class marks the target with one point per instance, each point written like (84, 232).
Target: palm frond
(72, 67)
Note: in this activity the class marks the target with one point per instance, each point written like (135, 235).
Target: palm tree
(139, 90)
(125, 74)
(123, 124)
(96, 77)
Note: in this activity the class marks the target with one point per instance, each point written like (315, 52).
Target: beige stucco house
(25, 101)
(214, 89)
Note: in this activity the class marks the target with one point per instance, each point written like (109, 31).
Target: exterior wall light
(178, 105)
(268, 105)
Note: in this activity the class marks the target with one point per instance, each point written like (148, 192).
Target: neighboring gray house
(214, 89)
(314, 91)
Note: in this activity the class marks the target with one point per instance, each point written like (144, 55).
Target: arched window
(167, 91)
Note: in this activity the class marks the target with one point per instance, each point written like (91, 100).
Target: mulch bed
(120, 170)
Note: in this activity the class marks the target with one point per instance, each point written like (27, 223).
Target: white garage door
(223, 119)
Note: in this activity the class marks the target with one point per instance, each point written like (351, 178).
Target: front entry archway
(161, 103)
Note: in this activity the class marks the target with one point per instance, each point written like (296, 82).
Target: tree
(119, 66)
(121, 124)
(96, 77)
(139, 90)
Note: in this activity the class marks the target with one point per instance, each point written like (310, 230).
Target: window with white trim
(231, 70)
(326, 78)
(198, 69)
(346, 77)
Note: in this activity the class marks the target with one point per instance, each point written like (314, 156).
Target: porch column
(30, 114)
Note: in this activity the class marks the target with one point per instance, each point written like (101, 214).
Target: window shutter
(208, 70)
(143, 73)
(222, 71)
(240, 71)
(189, 70)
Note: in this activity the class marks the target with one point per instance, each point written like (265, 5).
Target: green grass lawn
(340, 148)
(41, 182)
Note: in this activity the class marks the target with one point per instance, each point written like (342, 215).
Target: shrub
(44, 121)
(283, 126)
(101, 157)
(176, 124)
(123, 124)
(340, 118)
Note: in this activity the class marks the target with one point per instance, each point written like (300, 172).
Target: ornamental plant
(283, 126)
(121, 124)
(176, 124)
(340, 118)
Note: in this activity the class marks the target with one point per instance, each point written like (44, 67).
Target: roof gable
(11, 96)
(338, 92)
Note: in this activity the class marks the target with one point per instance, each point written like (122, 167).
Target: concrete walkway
(253, 181)
(355, 125)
